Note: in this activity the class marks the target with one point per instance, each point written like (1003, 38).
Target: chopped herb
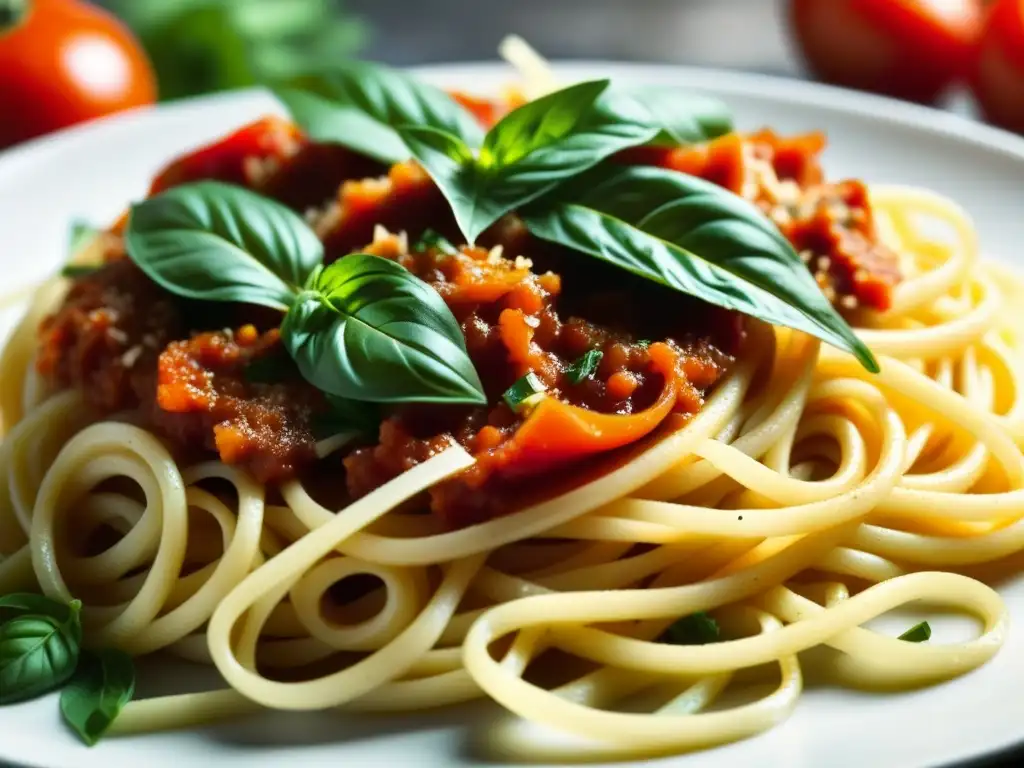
(524, 393)
(695, 629)
(918, 633)
(74, 271)
(431, 239)
(643, 343)
(585, 367)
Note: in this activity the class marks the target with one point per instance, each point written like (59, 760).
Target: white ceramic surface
(92, 171)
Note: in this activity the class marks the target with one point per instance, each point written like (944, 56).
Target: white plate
(92, 171)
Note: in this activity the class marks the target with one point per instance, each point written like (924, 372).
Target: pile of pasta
(806, 498)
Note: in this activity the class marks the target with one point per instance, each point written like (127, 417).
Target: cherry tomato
(911, 49)
(63, 62)
(998, 77)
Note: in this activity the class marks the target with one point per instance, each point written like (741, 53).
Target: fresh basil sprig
(219, 242)
(39, 645)
(527, 153)
(364, 328)
(697, 238)
(367, 329)
(40, 651)
(359, 104)
(101, 687)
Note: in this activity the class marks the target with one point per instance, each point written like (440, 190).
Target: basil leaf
(529, 152)
(37, 654)
(101, 687)
(369, 101)
(679, 117)
(218, 242)
(693, 236)
(368, 329)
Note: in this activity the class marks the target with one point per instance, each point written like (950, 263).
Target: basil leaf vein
(100, 688)
(359, 104)
(695, 237)
(218, 242)
(367, 329)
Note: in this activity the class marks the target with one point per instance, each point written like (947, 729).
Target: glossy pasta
(806, 498)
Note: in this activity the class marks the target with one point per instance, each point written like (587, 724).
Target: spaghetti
(805, 497)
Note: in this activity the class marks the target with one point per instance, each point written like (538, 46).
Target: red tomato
(911, 49)
(63, 62)
(998, 77)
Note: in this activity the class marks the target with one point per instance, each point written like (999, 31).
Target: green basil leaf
(679, 117)
(693, 236)
(101, 687)
(218, 242)
(369, 101)
(37, 654)
(529, 152)
(368, 329)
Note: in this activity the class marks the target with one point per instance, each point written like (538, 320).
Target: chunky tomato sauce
(187, 368)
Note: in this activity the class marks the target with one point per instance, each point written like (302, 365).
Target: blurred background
(966, 55)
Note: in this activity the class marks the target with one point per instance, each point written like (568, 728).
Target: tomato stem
(12, 13)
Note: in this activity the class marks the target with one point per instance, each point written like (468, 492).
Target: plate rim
(882, 109)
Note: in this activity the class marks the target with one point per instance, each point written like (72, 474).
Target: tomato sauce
(524, 306)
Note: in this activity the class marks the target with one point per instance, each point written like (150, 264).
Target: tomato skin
(67, 62)
(998, 75)
(910, 49)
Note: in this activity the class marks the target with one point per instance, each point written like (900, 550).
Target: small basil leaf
(37, 654)
(693, 236)
(529, 152)
(218, 242)
(101, 687)
(370, 330)
(370, 100)
(679, 117)
(346, 416)
(585, 366)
